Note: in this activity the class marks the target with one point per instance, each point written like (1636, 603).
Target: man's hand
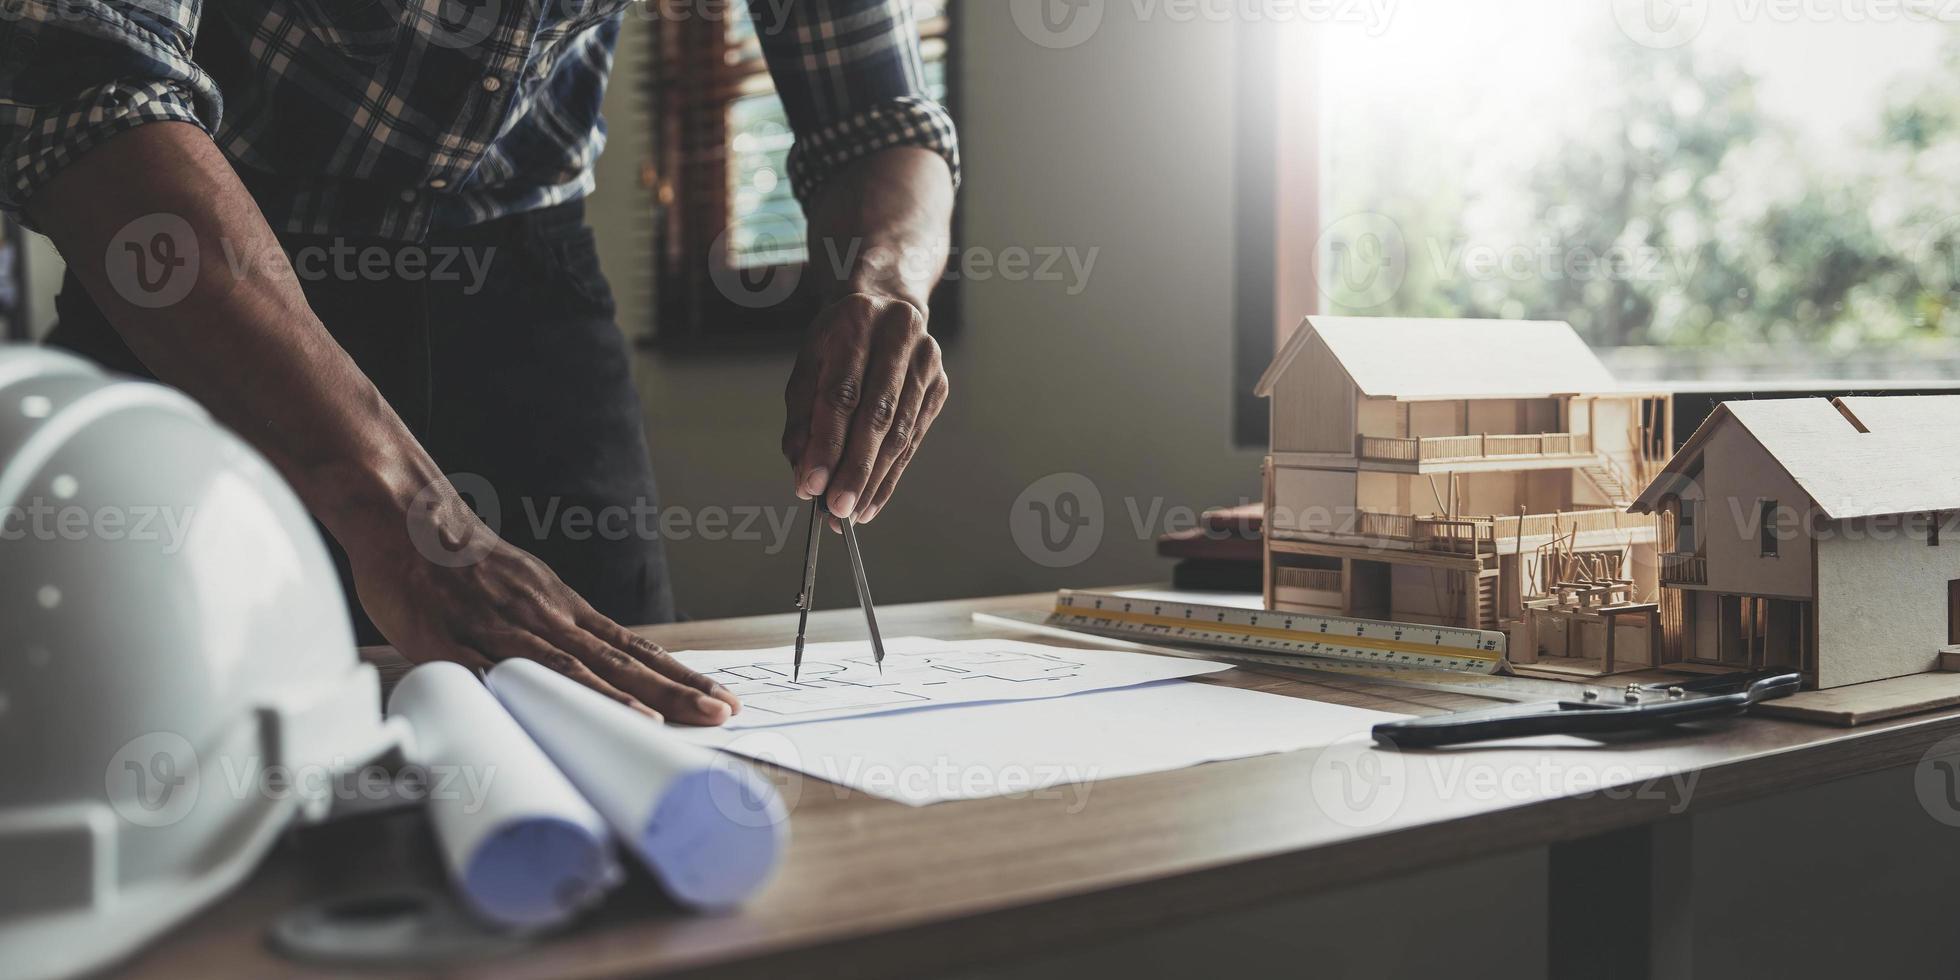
(865, 390)
(459, 592)
(870, 381)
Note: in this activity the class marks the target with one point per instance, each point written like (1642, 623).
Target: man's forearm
(882, 226)
(242, 339)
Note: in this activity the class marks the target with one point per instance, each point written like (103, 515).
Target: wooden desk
(874, 888)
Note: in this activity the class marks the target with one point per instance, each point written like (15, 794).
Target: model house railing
(1317, 579)
(1441, 448)
(1684, 570)
(1460, 533)
(1447, 534)
(1377, 524)
(1582, 521)
(1453, 534)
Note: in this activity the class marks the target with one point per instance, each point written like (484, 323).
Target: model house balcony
(1494, 451)
(1677, 569)
(1469, 535)
(1458, 534)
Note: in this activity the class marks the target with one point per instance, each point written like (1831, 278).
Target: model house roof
(1855, 457)
(1432, 360)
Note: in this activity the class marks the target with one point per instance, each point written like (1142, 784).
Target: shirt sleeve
(852, 82)
(75, 72)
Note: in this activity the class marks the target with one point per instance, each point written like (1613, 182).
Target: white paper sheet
(840, 680)
(1061, 745)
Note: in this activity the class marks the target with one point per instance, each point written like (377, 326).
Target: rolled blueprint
(707, 826)
(524, 849)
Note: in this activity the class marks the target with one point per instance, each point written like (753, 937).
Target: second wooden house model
(1819, 535)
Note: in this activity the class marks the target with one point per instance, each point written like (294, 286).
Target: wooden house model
(1813, 534)
(1465, 473)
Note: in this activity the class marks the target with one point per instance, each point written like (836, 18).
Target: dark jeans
(511, 372)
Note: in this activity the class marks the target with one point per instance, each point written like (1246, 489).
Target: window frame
(689, 87)
(1769, 515)
(1276, 208)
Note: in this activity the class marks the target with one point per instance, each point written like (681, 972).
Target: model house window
(1684, 529)
(729, 251)
(1771, 533)
(1953, 612)
(1933, 530)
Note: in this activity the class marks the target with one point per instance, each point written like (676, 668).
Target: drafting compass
(807, 597)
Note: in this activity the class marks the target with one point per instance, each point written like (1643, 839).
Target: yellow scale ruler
(1289, 635)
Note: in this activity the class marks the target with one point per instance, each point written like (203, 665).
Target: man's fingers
(890, 483)
(935, 400)
(624, 671)
(657, 659)
(532, 647)
(898, 331)
(839, 390)
(919, 379)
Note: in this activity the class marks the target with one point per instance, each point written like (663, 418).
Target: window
(1685, 541)
(729, 232)
(1772, 532)
(1701, 188)
(1680, 181)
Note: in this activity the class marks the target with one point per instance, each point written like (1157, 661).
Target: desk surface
(875, 888)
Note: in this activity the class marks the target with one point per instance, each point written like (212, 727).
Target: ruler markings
(1336, 637)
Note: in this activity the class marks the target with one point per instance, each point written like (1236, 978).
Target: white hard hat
(178, 680)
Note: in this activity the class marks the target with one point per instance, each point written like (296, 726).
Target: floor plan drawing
(841, 679)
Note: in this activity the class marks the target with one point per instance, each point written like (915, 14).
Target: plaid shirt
(390, 118)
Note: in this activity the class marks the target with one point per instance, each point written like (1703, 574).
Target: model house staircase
(1488, 586)
(1605, 476)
